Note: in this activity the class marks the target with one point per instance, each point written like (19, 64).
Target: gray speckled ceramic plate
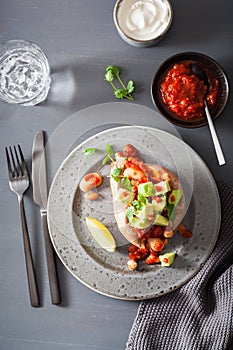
(106, 272)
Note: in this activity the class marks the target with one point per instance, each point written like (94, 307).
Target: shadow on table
(80, 82)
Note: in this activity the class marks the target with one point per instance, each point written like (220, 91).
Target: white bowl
(142, 23)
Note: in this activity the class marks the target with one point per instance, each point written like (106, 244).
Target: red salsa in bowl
(179, 94)
(184, 93)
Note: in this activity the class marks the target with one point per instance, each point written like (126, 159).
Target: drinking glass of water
(24, 73)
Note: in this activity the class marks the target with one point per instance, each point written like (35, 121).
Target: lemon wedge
(101, 234)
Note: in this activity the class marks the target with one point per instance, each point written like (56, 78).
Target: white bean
(91, 196)
(132, 264)
(168, 233)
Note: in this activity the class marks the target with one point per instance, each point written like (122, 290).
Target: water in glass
(24, 73)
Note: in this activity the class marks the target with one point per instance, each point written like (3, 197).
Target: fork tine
(14, 170)
(8, 164)
(15, 162)
(24, 165)
(18, 162)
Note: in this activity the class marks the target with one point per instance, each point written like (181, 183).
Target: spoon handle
(217, 146)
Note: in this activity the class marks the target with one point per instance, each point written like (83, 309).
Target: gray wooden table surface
(80, 40)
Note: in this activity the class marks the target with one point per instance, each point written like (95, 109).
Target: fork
(19, 183)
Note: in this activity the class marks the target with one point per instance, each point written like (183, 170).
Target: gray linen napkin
(199, 315)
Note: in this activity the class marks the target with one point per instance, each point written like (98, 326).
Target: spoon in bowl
(201, 74)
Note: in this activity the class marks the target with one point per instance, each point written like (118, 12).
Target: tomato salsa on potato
(184, 93)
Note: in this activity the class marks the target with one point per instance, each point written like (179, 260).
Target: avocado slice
(124, 196)
(174, 197)
(140, 224)
(144, 217)
(162, 187)
(146, 212)
(167, 259)
(161, 220)
(159, 203)
(146, 189)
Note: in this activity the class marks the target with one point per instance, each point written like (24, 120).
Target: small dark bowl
(206, 63)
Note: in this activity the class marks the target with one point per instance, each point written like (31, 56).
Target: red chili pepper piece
(173, 198)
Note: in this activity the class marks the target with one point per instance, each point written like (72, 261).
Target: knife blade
(40, 196)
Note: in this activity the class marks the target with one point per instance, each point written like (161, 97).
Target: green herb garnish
(140, 202)
(113, 72)
(109, 155)
(116, 174)
(130, 214)
(125, 183)
(89, 151)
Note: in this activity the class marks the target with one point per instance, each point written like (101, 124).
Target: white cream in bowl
(142, 20)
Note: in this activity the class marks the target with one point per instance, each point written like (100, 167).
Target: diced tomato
(158, 188)
(157, 199)
(150, 217)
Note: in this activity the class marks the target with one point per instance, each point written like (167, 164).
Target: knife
(40, 195)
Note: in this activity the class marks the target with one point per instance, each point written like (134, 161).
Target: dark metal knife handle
(52, 272)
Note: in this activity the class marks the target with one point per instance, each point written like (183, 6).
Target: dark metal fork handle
(33, 291)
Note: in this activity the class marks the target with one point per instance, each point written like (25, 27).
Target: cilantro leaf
(130, 214)
(109, 150)
(119, 93)
(113, 72)
(106, 160)
(117, 171)
(89, 151)
(116, 174)
(140, 202)
(125, 183)
(130, 86)
(109, 76)
(116, 178)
